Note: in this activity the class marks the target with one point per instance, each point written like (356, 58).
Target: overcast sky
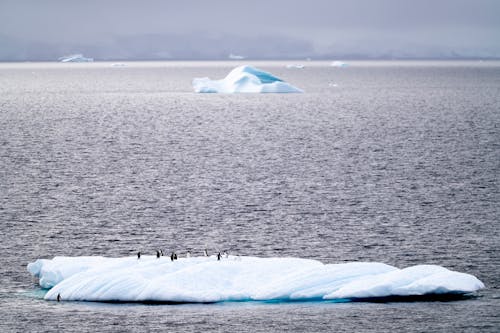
(188, 29)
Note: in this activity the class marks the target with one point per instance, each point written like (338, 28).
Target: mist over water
(394, 162)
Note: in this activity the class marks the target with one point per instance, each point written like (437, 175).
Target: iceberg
(244, 79)
(236, 57)
(297, 66)
(338, 64)
(75, 58)
(234, 278)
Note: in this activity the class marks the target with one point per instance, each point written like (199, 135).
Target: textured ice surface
(75, 58)
(205, 279)
(244, 79)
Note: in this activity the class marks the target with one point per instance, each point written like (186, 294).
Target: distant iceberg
(206, 279)
(244, 79)
(297, 66)
(338, 64)
(236, 57)
(75, 58)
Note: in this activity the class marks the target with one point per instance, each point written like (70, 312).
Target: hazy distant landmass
(32, 30)
(193, 47)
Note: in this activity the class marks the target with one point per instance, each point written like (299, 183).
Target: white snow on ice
(205, 279)
(244, 79)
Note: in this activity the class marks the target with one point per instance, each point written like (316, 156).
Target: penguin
(59, 297)
(157, 254)
(175, 256)
(188, 254)
(205, 253)
(172, 256)
(139, 255)
(161, 253)
(218, 256)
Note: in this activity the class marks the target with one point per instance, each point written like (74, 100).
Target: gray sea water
(394, 162)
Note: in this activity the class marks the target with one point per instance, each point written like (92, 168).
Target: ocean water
(394, 162)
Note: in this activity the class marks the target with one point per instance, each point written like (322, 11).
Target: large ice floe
(206, 279)
(244, 79)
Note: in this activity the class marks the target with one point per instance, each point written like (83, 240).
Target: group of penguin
(173, 256)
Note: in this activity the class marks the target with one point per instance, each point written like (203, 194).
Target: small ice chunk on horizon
(297, 66)
(338, 64)
(236, 57)
(75, 58)
(244, 79)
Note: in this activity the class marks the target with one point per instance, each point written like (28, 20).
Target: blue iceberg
(244, 79)
(234, 278)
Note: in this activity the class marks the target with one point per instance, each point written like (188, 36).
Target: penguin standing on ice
(205, 252)
(188, 254)
(175, 256)
(161, 252)
(59, 297)
(157, 254)
(139, 255)
(218, 256)
(172, 257)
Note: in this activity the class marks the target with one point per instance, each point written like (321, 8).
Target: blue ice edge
(244, 279)
(39, 293)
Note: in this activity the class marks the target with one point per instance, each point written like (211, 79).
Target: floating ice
(244, 79)
(205, 279)
(236, 57)
(338, 64)
(75, 58)
(297, 66)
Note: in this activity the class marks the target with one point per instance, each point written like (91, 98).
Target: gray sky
(188, 29)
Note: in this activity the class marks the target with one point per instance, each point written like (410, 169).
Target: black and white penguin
(175, 256)
(218, 256)
(139, 255)
(205, 253)
(188, 254)
(58, 297)
(172, 256)
(158, 254)
(161, 253)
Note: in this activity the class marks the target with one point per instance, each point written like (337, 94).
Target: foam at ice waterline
(204, 279)
(244, 79)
